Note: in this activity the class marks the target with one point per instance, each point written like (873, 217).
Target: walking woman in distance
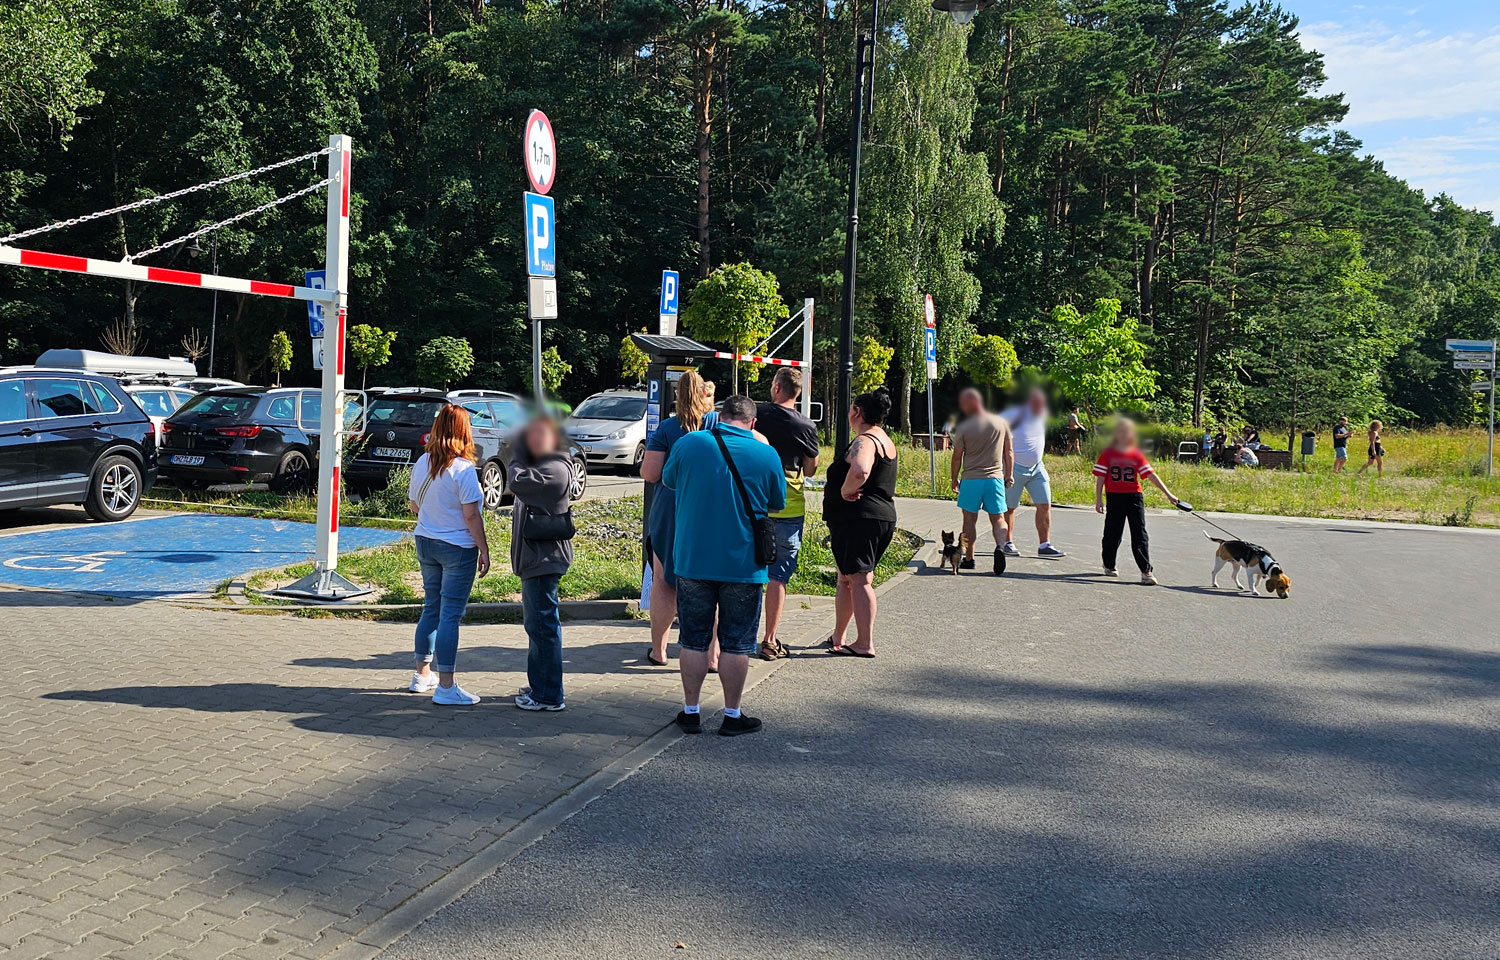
(451, 550)
(859, 506)
(694, 406)
(541, 551)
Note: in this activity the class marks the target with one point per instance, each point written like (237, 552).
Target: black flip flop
(850, 652)
(653, 661)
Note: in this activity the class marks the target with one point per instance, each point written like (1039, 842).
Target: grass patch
(606, 561)
(1431, 476)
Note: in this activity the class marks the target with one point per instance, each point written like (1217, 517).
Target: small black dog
(953, 550)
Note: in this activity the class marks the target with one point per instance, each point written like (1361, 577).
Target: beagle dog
(1248, 556)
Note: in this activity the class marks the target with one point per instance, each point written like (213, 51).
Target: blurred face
(541, 438)
(969, 402)
(1124, 434)
(1037, 402)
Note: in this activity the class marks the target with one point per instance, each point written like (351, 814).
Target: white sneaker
(1010, 549)
(1111, 572)
(421, 684)
(525, 702)
(1148, 579)
(454, 696)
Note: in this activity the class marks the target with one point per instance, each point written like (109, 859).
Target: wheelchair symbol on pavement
(80, 563)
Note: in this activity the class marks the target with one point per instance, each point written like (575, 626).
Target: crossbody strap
(422, 494)
(734, 472)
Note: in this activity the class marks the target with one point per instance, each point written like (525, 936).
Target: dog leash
(1186, 507)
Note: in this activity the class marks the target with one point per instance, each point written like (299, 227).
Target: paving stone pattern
(191, 784)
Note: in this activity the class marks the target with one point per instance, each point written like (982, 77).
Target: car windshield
(219, 405)
(605, 407)
(403, 413)
(156, 403)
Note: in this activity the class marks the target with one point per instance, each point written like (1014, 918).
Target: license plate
(184, 460)
(393, 453)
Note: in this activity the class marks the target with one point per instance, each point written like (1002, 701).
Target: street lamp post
(962, 11)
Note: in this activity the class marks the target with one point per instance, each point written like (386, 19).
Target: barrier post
(807, 348)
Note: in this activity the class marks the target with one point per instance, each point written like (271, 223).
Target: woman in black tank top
(859, 506)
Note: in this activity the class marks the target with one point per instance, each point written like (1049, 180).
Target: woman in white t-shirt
(451, 550)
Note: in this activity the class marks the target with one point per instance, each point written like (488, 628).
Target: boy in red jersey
(1117, 495)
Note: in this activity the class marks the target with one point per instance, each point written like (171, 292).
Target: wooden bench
(1274, 459)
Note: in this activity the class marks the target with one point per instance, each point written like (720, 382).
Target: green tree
(633, 361)
(445, 360)
(737, 304)
(990, 361)
(872, 362)
(1100, 360)
(279, 356)
(46, 54)
(554, 370)
(369, 346)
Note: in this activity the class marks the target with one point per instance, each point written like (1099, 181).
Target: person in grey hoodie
(541, 472)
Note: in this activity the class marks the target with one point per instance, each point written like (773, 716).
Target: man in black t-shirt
(795, 440)
(1341, 433)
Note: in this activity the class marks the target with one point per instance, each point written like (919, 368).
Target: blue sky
(1422, 80)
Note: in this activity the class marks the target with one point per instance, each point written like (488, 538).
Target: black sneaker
(734, 726)
(689, 722)
(967, 563)
(999, 563)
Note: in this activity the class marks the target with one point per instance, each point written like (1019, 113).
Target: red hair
(451, 438)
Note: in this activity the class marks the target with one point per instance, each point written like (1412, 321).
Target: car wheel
(640, 455)
(114, 490)
(492, 482)
(293, 473)
(580, 479)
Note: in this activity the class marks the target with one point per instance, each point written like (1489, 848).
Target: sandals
(774, 649)
(652, 660)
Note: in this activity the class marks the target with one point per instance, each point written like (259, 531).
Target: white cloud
(1391, 75)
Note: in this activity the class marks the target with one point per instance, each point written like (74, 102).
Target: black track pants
(1120, 508)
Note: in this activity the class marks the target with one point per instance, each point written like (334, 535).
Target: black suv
(244, 435)
(73, 437)
(398, 421)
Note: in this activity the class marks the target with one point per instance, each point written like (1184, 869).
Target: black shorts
(859, 544)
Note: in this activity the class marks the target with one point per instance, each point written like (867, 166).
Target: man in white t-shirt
(1028, 424)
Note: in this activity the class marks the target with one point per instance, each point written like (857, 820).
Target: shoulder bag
(762, 529)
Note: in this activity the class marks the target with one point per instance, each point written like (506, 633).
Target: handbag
(536, 525)
(762, 529)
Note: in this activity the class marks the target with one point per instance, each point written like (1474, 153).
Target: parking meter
(669, 357)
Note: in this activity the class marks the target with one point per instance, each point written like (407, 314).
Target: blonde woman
(1377, 451)
(694, 410)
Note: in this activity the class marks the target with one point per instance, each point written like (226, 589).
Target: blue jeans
(544, 662)
(447, 576)
(738, 607)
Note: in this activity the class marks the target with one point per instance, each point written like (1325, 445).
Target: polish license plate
(186, 460)
(393, 453)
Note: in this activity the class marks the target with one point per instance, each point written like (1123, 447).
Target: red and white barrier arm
(752, 358)
(135, 271)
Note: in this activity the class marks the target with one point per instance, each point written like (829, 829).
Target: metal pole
(931, 444)
(807, 347)
(213, 329)
(1489, 465)
(866, 43)
(536, 362)
(331, 423)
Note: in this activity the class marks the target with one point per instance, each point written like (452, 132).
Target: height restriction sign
(541, 152)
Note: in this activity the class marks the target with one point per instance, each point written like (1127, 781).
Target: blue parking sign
(670, 289)
(318, 280)
(541, 236)
(931, 345)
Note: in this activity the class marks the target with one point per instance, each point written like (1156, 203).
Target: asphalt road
(1053, 765)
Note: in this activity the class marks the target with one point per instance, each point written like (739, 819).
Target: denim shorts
(1032, 480)
(788, 546)
(1341, 453)
(738, 608)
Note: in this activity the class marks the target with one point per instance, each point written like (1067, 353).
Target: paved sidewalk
(196, 785)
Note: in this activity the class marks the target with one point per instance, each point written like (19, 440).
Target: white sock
(731, 712)
(1010, 543)
(1044, 544)
(690, 708)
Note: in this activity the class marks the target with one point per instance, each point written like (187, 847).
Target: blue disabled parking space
(164, 556)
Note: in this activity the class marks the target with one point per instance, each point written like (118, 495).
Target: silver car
(611, 428)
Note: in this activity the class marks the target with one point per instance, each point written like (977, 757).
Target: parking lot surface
(162, 555)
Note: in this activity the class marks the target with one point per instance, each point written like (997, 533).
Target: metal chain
(148, 201)
(224, 223)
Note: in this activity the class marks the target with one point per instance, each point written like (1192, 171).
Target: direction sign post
(539, 154)
(1479, 355)
(671, 297)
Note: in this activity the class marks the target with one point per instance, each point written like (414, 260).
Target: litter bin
(1309, 443)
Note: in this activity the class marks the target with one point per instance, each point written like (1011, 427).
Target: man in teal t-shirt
(714, 553)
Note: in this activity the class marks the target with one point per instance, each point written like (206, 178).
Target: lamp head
(962, 11)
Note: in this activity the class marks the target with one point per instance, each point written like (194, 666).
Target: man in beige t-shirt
(983, 462)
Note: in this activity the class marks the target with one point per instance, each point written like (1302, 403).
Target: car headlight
(617, 435)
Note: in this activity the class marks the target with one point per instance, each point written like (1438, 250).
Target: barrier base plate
(324, 587)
